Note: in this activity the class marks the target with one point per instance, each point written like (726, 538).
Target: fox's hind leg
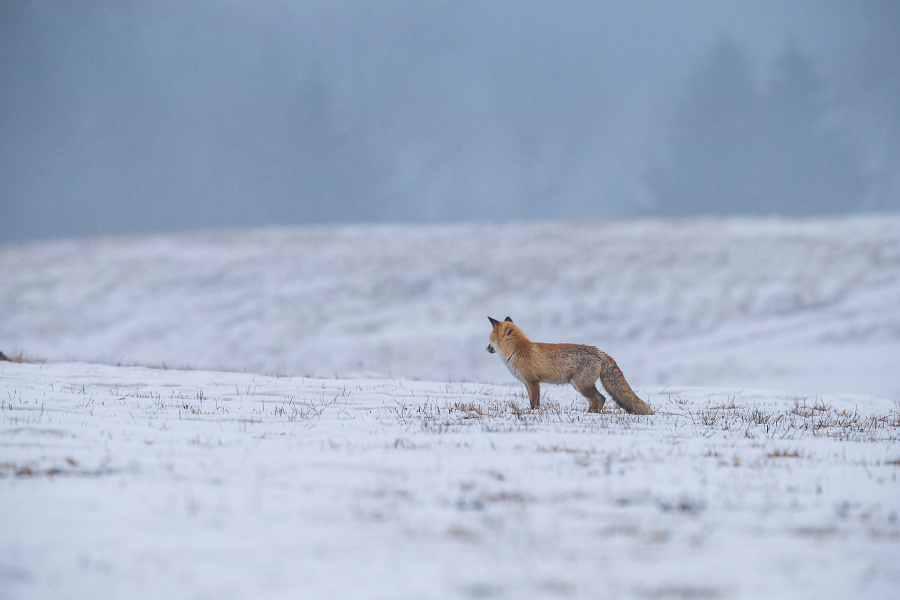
(594, 397)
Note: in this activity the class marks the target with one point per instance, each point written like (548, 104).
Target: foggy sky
(166, 116)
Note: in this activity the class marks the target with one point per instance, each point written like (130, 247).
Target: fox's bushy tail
(614, 382)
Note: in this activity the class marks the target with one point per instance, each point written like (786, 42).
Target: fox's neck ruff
(510, 362)
(510, 359)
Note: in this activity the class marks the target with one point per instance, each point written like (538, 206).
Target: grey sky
(119, 117)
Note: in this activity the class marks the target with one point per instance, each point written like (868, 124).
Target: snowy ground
(418, 473)
(129, 482)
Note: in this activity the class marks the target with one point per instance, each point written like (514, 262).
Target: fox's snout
(490, 348)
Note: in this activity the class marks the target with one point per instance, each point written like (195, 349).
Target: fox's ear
(493, 321)
(508, 319)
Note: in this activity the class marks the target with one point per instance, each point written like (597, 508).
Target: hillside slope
(812, 306)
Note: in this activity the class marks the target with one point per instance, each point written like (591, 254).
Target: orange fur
(535, 363)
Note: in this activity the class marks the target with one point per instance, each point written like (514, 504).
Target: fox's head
(502, 330)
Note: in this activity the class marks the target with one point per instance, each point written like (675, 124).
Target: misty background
(162, 116)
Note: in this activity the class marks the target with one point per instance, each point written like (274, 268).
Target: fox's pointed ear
(508, 319)
(493, 321)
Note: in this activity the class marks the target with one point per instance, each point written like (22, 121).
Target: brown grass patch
(20, 358)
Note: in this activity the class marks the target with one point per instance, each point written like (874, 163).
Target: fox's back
(561, 363)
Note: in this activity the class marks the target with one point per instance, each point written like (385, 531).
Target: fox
(534, 363)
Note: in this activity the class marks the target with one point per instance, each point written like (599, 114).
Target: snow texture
(125, 482)
(767, 348)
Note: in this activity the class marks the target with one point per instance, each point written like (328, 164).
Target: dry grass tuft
(801, 419)
(784, 454)
(468, 407)
(806, 411)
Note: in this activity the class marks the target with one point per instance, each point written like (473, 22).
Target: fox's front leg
(534, 393)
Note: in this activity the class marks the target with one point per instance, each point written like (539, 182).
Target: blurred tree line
(739, 147)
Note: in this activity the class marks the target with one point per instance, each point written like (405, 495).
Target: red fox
(531, 363)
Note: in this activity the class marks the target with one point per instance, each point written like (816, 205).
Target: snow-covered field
(795, 305)
(130, 482)
(408, 466)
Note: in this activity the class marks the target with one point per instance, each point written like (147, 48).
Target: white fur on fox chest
(510, 362)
